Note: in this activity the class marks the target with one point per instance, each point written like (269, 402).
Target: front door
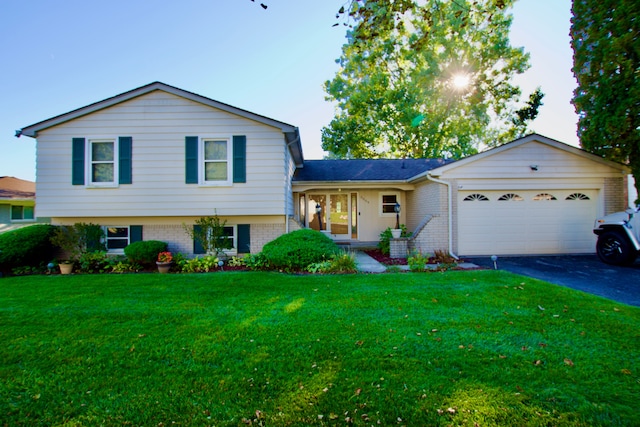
(338, 217)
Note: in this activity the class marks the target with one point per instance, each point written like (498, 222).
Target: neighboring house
(17, 203)
(148, 161)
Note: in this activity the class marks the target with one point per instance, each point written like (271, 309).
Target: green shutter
(239, 158)
(124, 153)
(191, 159)
(77, 161)
(197, 246)
(244, 238)
(135, 233)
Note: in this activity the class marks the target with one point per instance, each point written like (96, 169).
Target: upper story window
(215, 161)
(21, 213)
(102, 155)
(101, 162)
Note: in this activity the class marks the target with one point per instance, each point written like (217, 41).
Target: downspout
(289, 144)
(450, 206)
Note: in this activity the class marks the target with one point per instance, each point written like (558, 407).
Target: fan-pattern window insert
(544, 196)
(476, 197)
(510, 197)
(577, 196)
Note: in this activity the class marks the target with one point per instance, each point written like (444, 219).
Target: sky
(60, 56)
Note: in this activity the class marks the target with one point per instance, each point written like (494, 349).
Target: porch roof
(365, 169)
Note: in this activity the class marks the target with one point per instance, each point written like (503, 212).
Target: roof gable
(533, 138)
(292, 134)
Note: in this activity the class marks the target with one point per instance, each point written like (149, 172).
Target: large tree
(427, 78)
(605, 36)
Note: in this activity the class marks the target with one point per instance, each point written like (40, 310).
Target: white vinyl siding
(159, 123)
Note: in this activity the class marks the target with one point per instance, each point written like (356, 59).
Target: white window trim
(234, 250)
(105, 229)
(201, 161)
(88, 163)
(380, 204)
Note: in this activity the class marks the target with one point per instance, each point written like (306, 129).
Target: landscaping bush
(295, 251)
(145, 253)
(78, 239)
(96, 262)
(339, 263)
(26, 247)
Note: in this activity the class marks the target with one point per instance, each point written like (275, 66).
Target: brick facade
(615, 196)
(427, 203)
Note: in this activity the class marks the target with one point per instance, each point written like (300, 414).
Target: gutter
(450, 206)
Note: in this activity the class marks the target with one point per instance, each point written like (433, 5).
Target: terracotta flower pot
(163, 267)
(66, 268)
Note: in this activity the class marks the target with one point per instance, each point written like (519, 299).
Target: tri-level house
(145, 163)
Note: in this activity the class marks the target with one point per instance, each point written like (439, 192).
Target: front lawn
(484, 348)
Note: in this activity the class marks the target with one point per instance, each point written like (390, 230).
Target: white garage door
(526, 222)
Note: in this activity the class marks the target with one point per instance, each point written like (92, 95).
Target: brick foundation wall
(180, 241)
(261, 234)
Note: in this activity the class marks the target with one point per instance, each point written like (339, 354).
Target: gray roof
(365, 169)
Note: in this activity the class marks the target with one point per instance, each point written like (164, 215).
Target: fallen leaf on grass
(625, 371)
(568, 362)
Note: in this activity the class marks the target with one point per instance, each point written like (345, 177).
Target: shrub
(26, 247)
(203, 264)
(417, 261)
(78, 239)
(256, 262)
(385, 237)
(295, 251)
(96, 262)
(145, 253)
(339, 263)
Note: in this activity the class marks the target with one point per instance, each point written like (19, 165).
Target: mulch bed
(385, 259)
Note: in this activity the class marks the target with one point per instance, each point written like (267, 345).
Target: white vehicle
(619, 237)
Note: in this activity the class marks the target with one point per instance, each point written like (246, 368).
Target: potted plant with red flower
(164, 262)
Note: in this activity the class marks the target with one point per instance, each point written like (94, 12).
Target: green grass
(470, 348)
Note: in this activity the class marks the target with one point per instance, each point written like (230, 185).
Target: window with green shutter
(215, 161)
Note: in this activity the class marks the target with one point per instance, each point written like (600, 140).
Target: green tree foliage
(606, 43)
(400, 89)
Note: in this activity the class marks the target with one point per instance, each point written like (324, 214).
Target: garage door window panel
(577, 196)
(544, 196)
(476, 197)
(510, 197)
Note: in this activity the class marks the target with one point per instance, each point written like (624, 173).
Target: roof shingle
(365, 169)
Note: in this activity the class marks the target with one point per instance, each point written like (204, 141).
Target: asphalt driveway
(583, 272)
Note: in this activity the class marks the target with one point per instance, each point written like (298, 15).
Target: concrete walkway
(366, 264)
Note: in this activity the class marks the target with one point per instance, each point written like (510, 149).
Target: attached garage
(511, 222)
(532, 196)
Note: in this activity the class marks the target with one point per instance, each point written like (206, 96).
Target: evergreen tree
(605, 36)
